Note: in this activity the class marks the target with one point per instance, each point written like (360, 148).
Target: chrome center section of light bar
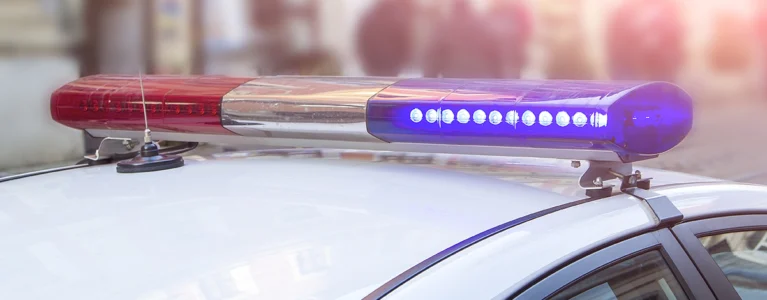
(315, 108)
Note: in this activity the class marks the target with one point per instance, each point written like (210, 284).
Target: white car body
(253, 225)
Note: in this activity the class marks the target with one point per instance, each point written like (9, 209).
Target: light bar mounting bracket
(593, 180)
(111, 147)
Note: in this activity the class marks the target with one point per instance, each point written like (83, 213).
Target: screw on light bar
(582, 120)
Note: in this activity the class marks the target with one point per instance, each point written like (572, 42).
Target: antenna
(149, 158)
(147, 132)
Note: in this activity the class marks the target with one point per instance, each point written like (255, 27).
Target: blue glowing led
(479, 116)
(579, 119)
(545, 118)
(512, 117)
(496, 117)
(563, 119)
(633, 119)
(463, 116)
(416, 115)
(432, 115)
(528, 118)
(447, 116)
(598, 120)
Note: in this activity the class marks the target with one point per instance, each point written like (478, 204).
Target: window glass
(743, 258)
(645, 277)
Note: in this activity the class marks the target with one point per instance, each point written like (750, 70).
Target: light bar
(612, 121)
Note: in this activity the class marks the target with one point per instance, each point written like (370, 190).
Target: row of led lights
(512, 117)
(151, 108)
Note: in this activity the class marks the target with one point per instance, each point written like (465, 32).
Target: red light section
(174, 103)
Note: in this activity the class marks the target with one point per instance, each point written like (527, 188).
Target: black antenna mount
(149, 158)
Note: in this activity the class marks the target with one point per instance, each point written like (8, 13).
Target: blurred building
(44, 43)
(36, 42)
(564, 39)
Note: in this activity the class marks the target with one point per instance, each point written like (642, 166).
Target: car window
(743, 259)
(645, 276)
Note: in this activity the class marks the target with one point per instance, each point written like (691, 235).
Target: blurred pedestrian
(384, 38)
(512, 23)
(645, 40)
(463, 46)
(760, 33)
(314, 62)
(563, 40)
(731, 45)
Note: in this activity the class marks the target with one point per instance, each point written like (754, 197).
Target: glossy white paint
(253, 226)
(488, 268)
(262, 227)
(508, 260)
(555, 175)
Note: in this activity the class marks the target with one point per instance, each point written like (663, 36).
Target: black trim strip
(46, 171)
(396, 282)
(665, 211)
(714, 215)
(728, 224)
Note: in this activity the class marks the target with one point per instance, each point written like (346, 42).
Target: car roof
(302, 227)
(555, 175)
(499, 263)
(279, 224)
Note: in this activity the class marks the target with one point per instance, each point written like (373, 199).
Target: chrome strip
(376, 145)
(316, 108)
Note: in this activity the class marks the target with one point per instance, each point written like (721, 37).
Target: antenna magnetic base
(149, 160)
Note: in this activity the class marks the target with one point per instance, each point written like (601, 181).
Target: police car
(378, 188)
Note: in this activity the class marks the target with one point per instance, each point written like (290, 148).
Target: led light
(431, 116)
(479, 116)
(416, 115)
(563, 119)
(528, 118)
(579, 119)
(447, 116)
(496, 117)
(598, 120)
(512, 118)
(463, 116)
(545, 118)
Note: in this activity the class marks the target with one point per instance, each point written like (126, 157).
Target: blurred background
(715, 49)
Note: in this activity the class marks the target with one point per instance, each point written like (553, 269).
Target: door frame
(689, 232)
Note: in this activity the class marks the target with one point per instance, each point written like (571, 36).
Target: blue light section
(636, 120)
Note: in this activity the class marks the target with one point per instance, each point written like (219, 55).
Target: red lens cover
(190, 104)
